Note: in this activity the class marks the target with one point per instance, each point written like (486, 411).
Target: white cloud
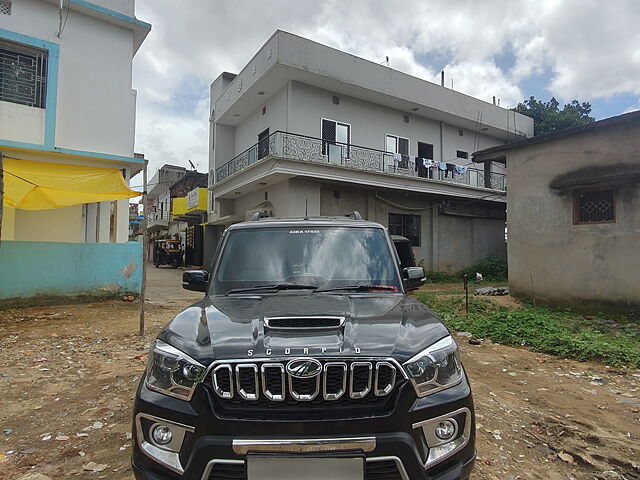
(591, 48)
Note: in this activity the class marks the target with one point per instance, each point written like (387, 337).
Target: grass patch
(559, 332)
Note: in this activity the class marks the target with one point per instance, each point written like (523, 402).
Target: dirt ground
(68, 375)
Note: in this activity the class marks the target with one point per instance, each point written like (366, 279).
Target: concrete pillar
(122, 216)
(371, 207)
(434, 238)
(91, 223)
(104, 222)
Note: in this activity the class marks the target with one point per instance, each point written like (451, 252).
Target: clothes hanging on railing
(461, 169)
(449, 168)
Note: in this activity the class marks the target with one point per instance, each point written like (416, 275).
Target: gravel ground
(68, 375)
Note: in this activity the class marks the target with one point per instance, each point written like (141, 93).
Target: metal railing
(23, 75)
(316, 150)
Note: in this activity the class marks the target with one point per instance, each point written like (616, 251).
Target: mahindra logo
(304, 368)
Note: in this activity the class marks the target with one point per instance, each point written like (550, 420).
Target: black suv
(305, 359)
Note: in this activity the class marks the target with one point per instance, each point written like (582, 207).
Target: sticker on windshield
(303, 231)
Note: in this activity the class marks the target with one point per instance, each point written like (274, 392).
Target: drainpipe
(442, 141)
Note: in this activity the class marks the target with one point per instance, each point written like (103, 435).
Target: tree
(547, 117)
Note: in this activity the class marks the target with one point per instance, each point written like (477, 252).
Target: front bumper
(393, 445)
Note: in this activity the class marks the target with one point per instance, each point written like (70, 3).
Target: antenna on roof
(306, 209)
(192, 165)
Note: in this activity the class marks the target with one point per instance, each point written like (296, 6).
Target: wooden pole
(143, 287)
(1, 191)
(533, 293)
(466, 293)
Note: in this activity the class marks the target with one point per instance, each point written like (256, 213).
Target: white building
(305, 128)
(66, 98)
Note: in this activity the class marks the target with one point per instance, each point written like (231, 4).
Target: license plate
(307, 468)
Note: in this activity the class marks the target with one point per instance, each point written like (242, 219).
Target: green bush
(492, 269)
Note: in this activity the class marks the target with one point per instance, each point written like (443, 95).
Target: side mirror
(195, 280)
(413, 278)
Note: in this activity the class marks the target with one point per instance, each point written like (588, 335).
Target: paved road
(164, 285)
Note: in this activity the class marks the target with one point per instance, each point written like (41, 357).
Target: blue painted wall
(29, 269)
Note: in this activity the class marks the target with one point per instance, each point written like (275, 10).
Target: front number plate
(309, 468)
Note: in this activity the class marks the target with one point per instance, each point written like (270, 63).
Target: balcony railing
(310, 149)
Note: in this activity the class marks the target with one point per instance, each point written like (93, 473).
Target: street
(68, 375)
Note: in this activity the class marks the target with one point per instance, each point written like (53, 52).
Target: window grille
(594, 206)
(23, 74)
(5, 7)
(407, 226)
(395, 144)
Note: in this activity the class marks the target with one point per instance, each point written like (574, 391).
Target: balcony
(158, 221)
(315, 150)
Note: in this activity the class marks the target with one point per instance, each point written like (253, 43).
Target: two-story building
(159, 202)
(308, 129)
(177, 208)
(67, 114)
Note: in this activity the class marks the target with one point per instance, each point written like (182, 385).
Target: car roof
(304, 222)
(399, 238)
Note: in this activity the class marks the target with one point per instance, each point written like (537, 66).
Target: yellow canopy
(33, 185)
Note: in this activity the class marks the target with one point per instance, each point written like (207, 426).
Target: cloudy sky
(584, 49)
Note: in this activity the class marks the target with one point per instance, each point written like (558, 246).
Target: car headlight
(435, 368)
(172, 372)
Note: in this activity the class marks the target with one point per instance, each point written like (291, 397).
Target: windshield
(324, 257)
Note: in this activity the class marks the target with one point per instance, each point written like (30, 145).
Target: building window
(5, 7)
(395, 144)
(462, 154)
(593, 206)
(335, 133)
(407, 226)
(23, 74)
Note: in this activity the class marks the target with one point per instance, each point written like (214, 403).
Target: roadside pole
(466, 293)
(1, 191)
(143, 288)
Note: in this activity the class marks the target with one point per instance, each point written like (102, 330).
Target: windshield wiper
(359, 288)
(274, 286)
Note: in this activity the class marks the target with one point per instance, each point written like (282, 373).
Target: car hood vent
(302, 323)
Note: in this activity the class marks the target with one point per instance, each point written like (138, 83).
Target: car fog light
(445, 430)
(162, 434)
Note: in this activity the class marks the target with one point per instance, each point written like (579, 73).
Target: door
(425, 150)
(263, 144)
(336, 137)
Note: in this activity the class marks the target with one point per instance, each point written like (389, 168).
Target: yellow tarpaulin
(33, 185)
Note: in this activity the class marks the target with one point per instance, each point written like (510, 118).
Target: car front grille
(268, 384)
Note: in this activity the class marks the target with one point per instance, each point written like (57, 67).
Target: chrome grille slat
(240, 385)
(220, 391)
(269, 378)
(266, 389)
(325, 375)
(363, 392)
(381, 392)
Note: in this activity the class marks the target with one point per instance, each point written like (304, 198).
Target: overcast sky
(584, 49)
